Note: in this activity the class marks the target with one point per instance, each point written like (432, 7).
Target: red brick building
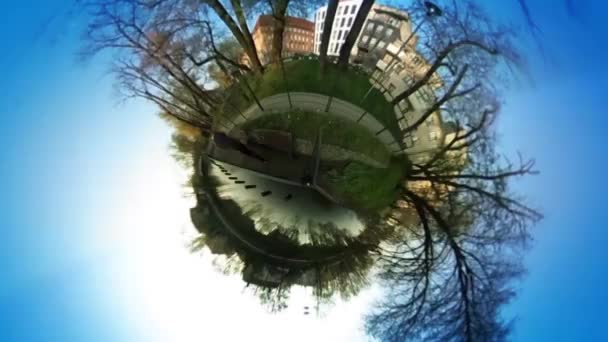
(298, 37)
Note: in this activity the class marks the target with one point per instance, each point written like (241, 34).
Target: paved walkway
(279, 103)
(255, 246)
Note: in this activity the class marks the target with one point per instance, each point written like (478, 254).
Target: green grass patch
(304, 75)
(336, 131)
(367, 187)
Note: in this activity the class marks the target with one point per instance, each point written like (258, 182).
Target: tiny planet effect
(332, 145)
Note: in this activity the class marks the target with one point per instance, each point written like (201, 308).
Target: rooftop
(266, 20)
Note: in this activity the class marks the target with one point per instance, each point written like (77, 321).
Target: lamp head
(432, 10)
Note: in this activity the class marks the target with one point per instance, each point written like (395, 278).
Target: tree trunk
(237, 33)
(279, 23)
(353, 34)
(332, 7)
(278, 29)
(240, 15)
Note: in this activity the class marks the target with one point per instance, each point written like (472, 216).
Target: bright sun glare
(169, 294)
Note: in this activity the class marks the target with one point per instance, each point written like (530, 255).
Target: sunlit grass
(303, 75)
(368, 187)
(336, 131)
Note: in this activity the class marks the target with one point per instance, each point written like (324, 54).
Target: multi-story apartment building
(297, 38)
(343, 21)
(385, 29)
(386, 46)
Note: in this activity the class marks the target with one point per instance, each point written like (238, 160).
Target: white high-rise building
(343, 21)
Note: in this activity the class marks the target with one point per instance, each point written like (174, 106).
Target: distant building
(297, 38)
(343, 21)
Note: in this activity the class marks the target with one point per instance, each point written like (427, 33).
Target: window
(382, 44)
(342, 22)
(340, 34)
(388, 32)
(398, 68)
(346, 9)
(405, 105)
(426, 96)
(409, 81)
(376, 74)
(373, 41)
(338, 46)
(350, 21)
(379, 29)
(339, 10)
(369, 27)
(353, 9)
(365, 39)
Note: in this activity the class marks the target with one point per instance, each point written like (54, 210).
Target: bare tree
(242, 19)
(274, 299)
(450, 274)
(163, 51)
(242, 33)
(461, 51)
(158, 56)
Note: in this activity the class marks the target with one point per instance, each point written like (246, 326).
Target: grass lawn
(304, 76)
(367, 187)
(336, 131)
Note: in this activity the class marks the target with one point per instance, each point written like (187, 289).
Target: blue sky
(91, 196)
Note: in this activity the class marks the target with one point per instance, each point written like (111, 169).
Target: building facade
(385, 29)
(298, 37)
(386, 47)
(343, 21)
